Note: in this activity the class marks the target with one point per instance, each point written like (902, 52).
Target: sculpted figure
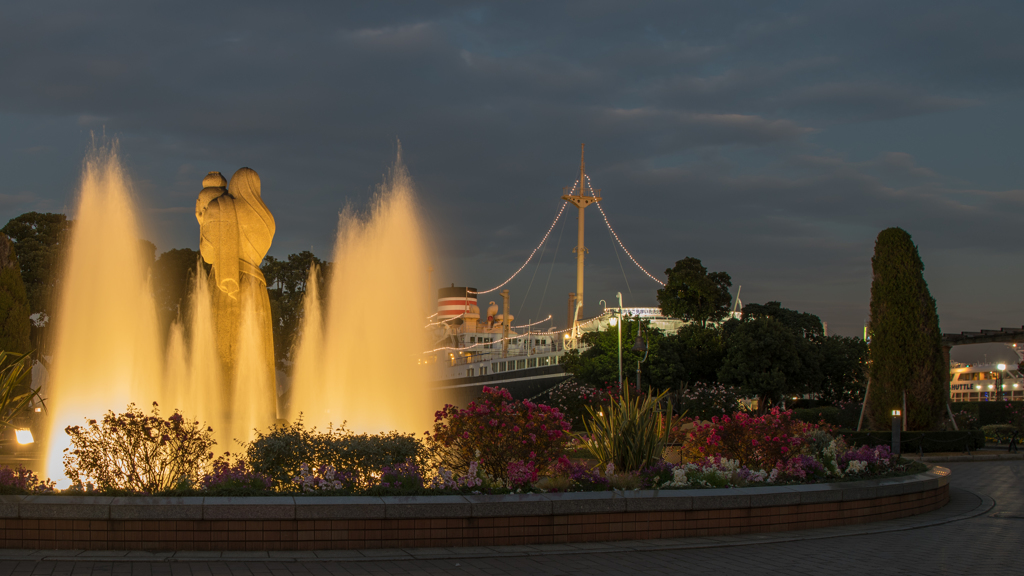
(236, 230)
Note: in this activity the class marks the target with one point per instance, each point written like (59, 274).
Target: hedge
(932, 441)
(993, 412)
(843, 418)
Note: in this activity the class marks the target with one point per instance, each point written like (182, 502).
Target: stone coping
(472, 506)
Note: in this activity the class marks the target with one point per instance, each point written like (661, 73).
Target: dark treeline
(39, 241)
(770, 353)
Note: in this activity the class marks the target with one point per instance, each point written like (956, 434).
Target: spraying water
(356, 360)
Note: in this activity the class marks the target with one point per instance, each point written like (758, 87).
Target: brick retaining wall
(457, 521)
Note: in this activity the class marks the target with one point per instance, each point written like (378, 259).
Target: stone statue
(235, 231)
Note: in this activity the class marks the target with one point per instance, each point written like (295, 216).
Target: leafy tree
(598, 365)
(763, 360)
(173, 274)
(15, 326)
(692, 293)
(40, 239)
(286, 285)
(696, 352)
(843, 369)
(802, 324)
(905, 344)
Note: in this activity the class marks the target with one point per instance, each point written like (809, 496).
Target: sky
(771, 140)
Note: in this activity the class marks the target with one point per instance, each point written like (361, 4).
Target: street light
(616, 320)
(639, 346)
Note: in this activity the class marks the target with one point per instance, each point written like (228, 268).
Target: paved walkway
(981, 531)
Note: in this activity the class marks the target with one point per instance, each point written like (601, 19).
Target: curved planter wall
(317, 523)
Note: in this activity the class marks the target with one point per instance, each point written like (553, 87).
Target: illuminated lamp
(24, 436)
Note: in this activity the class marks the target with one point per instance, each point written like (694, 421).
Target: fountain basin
(360, 522)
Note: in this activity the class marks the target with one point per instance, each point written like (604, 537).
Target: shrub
(999, 432)
(965, 419)
(323, 479)
(404, 477)
(138, 453)
(238, 479)
(827, 414)
(575, 474)
(572, 399)
(932, 441)
(21, 481)
(705, 401)
(760, 442)
(630, 433)
(281, 452)
(495, 431)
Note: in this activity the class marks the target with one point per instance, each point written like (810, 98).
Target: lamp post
(896, 442)
(639, 346)
(999, 386)
(616, 320)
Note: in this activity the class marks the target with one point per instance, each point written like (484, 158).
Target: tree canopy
(39, 239)
(692, 293)
(286, 284)
(15, 327)
(905, 340)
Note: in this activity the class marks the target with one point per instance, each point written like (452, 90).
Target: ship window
(543, 361)
(483, 370)
(494, 366)
(501, 366)
(469, 372)
(531, 363)
(472, 339)
(520, 364)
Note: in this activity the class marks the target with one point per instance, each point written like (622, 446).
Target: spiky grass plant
(630, 432)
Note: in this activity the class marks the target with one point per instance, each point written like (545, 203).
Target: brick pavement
(934, 543)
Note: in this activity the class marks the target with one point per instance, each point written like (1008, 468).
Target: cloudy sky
(772, 140)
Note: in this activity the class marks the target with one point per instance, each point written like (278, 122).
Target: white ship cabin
(982, 383)
(468, 344)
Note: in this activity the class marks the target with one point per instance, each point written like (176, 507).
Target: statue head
(245, 182)
(214, 180)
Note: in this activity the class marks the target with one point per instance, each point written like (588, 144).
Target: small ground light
(24, 436)
(39, 409)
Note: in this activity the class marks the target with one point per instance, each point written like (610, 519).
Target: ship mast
(581, 201)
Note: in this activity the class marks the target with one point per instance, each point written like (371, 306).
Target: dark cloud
(772, 140)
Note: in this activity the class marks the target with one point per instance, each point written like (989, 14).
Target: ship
(473, 350)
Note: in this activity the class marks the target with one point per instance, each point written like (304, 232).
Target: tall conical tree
(14, 309)
(906, 344)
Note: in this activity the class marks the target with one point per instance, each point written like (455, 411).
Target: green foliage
(40, 240)
(764, 360)
(829, 414)
(843, 364)
(630, 433)
(930, 441)
(280, 452)
(173, 275)
(16, 393)
(905, 350)
(695, 353)
(598, 365)
(134, 452)
(15, 326)
(801, 324)
(692, 293)
(706, 401)
(286, 285)
(1000, 433)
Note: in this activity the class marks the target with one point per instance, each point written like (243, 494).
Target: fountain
(356, 356)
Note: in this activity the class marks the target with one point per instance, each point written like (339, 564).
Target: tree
(173, 276)
(692, 293)
(763, 360)
(697, 352)
(802, 324)
(905, 341)
(15, 326)
(286, 285)
(39, 239)
(598, 365)
(843, 369)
